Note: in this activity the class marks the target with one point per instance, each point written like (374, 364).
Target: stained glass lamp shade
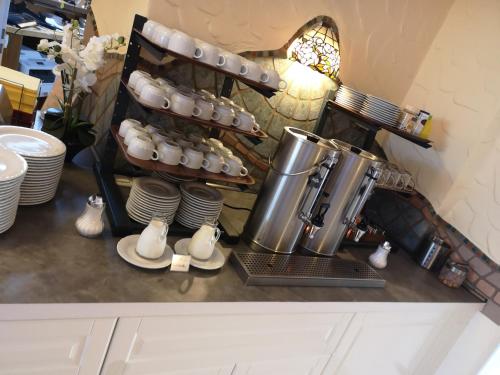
(318, 49)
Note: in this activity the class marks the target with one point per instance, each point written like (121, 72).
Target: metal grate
(296, 270)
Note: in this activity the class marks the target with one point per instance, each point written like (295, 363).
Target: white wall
(459, 82)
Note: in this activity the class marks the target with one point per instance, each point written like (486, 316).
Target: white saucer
(215, 262)
(126, 249)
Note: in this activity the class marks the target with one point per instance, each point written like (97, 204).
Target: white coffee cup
(247, 121)
(224, 151)
(183, 105)
(135, 132)
(174, 133)
(151, 129)
(161, 35)
(214, 163)
(167, 86)
(142, 82)
(128, 124)
(251, 70)
(224, 114)
(204, 148)
(235, 166)
(160, 137)
(143, 148)
(184, 143)
(134, 77)
(209, 53)
(182, 44)
(194, 158)
(230, 62)
(215, 143)
(271, 78)
(149, 28)
(170, 153)
(207, 95)
(154, 96)
(206, 109)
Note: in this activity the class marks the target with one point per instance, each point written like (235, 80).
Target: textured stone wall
(459, 82)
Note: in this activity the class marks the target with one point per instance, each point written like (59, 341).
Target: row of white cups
(172, 148)
(164, 94)
(183, 44)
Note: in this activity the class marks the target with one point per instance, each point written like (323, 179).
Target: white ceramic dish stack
(381, 110)
(45, 157)
(13, 169)
(150, 196)
(171, 178)
(199, 202)
(350, 98)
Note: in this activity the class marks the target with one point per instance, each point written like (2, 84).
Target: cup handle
(216, 116)
(216, 237)
(236, 121)
(198, 53)
(282, 85)
(155, 155)
(243, 172)
(222, 60)
(167, 103)
(255, 128)
(205, 163)
(264, 77)
(184, 159)
(196, 111)
(244, 70)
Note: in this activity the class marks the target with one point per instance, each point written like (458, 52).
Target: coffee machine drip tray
(298, 270)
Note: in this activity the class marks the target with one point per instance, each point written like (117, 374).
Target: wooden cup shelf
(159, 53)
(178, 170)
(193, 119)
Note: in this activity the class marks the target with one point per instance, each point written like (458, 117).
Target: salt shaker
(90, 223)
(379, 258)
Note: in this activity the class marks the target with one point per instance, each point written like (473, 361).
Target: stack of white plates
(151, 196)
(13, 169)
(350, 98)
(45, 156)
(381, 110)
(171, 178)
(199, 203)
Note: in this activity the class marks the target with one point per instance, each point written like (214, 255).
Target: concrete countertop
(44, 260)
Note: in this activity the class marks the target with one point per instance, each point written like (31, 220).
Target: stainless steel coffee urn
(294, 181)
(312, 193)
(348, 187)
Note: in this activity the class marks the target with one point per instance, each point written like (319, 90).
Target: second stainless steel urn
(292, 186)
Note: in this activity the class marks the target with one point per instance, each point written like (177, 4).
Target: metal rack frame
(119, 220)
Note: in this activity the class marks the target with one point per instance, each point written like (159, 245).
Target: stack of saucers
(350, 98)
(12, 172)
(45, 156)
(171, 178)
(199, 203)
(151, 196)
(381, 110)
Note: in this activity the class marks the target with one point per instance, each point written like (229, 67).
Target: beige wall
(459, 82)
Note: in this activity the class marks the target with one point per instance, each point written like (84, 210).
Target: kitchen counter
(44, 260)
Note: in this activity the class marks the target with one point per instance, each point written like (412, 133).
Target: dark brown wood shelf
(195, 120)
(178, 170)
(160, 53)
(422, 142)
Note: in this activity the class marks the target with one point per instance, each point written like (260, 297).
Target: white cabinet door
(225, 344)
(54, 347)
(401, 342)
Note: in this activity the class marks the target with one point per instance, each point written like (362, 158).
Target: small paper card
(180, 263)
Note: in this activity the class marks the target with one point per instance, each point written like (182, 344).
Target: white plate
(126, 249)
(201, 192)
(143, 197)
(12, 166)
(30, 142)
(215, 262)
(156, 187)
